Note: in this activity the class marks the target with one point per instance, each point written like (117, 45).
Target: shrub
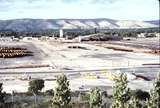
(85, 96)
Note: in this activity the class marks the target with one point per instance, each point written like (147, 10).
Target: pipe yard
(86, 64)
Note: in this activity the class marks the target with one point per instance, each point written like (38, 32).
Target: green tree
(95, 98)
(62, 95)
(35, 86)
(121, 94)
(154, 101)
(2, 95)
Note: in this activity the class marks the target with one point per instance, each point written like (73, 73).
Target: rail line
(77, 71)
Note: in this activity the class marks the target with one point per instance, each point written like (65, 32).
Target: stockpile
(13, 52)
(101, 37)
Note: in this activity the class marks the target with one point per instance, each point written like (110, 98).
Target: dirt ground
(75, 59)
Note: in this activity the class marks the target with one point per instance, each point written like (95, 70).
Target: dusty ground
(75, 62)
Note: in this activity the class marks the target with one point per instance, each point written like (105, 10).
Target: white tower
(61, 33)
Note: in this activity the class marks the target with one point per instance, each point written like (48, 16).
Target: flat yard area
(74, 59)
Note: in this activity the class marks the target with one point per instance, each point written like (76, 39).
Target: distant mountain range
(155, 22)
(45, 24)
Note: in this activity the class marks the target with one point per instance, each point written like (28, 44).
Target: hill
(44, 24)
(155, 22)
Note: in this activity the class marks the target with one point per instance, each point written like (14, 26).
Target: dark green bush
(141, 95)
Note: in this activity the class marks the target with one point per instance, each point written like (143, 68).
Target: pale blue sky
(53, 9)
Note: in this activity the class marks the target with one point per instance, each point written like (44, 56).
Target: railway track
(80, 71)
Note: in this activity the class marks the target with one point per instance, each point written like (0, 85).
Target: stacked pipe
(13, 52)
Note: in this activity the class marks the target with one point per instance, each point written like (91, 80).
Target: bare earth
(53, 58)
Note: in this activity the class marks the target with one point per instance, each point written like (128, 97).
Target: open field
(81, 62)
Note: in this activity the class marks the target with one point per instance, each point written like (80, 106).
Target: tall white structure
(61, 33)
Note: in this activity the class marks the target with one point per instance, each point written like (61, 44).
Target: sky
(80, 9)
